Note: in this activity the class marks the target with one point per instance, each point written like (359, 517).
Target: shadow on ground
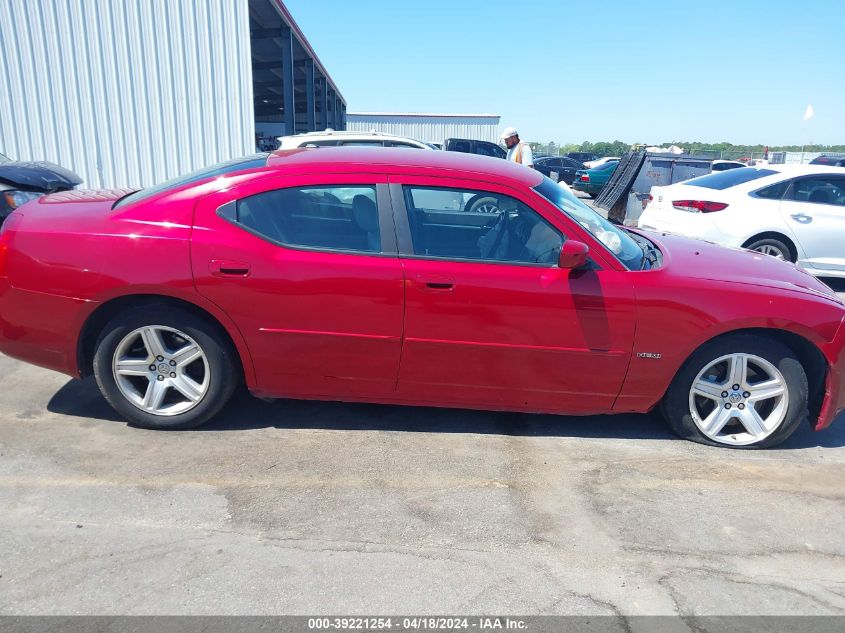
(81, 398)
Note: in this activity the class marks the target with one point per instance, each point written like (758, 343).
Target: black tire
(483, 204)
(676, 406)
(773, 243)
(223, 367)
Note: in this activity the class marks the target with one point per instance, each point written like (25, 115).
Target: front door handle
(803, 218)
(436, 282)
(228, 268)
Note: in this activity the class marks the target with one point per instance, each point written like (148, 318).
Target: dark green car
(592, 180)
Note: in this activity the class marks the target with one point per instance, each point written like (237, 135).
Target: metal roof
(288, 18)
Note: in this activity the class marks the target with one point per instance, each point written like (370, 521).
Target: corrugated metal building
(429, 128)
(129, 93)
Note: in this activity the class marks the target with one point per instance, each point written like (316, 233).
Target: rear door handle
(228, 268)
(436, 282)
(803, 218)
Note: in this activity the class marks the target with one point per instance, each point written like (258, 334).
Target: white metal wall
(430, 129)
(126, 93)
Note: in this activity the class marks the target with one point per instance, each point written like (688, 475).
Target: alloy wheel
(773, 251)
(738, 399)
(161, 370)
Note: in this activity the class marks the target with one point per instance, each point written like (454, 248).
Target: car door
(490, 320)
(307, 268)
(814, 208)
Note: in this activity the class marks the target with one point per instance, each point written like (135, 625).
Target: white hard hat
(509, 131)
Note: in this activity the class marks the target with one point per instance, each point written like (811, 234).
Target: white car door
(814, 208)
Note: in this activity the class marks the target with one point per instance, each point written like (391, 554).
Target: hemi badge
(647, 355)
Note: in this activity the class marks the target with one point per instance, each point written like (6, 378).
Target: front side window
(486, 150)
(480, 226)
(819, 190)
(323, 217)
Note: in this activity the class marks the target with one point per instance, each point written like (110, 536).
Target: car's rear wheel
(164, 368)
(741, 391)
(774, 247)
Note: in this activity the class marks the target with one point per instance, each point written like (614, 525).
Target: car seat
(366, 217)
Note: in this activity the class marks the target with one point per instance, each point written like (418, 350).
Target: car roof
(800, 170)
(398, 160)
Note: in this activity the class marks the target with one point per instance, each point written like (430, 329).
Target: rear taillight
(585, 178)
(698, 206)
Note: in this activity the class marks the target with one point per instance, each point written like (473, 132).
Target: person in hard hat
(518, 151)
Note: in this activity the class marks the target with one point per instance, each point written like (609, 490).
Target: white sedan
(792, 212)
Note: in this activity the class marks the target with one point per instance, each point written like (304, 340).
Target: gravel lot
(313, 508)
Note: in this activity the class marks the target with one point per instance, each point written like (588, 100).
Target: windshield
(238, 164)
(620, 243)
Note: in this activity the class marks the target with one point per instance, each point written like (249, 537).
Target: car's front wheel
(741, 391)
(164, 368)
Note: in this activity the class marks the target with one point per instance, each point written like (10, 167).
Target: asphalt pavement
(291, 507)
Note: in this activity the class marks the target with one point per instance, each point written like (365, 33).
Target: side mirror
(573, 254)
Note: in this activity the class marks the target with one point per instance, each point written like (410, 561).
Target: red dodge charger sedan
(418, 278)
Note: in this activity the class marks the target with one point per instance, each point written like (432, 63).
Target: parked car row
(563, 168)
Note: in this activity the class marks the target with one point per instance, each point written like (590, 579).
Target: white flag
(809, 113)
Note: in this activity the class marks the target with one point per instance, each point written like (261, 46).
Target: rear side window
(774, 192)
(730, 178)
(327, 218)
(725, 166)
(319, 143)
(398, 144)
(220, 169)
(362, 143)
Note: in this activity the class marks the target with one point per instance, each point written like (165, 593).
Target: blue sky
(651, 71)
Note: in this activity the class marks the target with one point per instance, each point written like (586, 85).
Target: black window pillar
(324, 102)
(287, 81)
(309, 95)
(332, 122)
